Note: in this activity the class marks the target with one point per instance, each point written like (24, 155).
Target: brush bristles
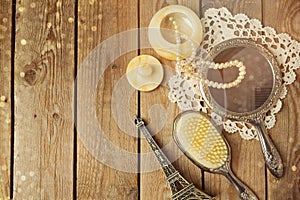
(201, 140)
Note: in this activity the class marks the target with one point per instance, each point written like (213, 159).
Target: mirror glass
(253, 91)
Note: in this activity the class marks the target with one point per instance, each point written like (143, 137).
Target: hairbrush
(200, 139)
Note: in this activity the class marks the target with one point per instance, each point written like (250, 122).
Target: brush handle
(245, 193)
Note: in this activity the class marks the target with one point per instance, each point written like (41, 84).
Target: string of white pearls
(194, 69)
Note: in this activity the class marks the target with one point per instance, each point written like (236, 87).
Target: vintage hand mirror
(200, 140)
(253, 97)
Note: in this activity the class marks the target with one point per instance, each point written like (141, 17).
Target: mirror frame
(277, 81)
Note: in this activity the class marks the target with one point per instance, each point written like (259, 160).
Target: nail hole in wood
(55, 116)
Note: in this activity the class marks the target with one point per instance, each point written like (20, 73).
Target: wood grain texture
(44, 74)
(159, 114)
(252, 8)
(247, 160)
(98, 177)
(284, 16)
(44, 105)
(5, 97)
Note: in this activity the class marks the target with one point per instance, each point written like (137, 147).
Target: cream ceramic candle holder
(162, 35)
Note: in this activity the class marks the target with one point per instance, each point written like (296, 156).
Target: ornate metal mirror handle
(181, 188)
(270, 152)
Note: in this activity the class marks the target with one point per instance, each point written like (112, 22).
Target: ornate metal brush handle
(244, 192)
(181, 188)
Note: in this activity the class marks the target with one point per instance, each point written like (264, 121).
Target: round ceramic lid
(144, 73)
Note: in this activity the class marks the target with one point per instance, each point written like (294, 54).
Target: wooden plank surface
(44, 74)
(284, 16)
(247, 160)
(160, 114)
(5, 97)
(98, 21)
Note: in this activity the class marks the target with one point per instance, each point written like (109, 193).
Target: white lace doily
(220, 25)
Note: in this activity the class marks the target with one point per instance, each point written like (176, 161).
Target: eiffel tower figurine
(181, 188)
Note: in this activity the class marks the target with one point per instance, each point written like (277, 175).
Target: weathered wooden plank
(5, 97)
(160, 114)
(44, 74)
(252, 8)
(284, 16)
(247, 159)
(98, 174)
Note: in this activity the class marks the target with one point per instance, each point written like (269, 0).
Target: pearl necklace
(194, 70)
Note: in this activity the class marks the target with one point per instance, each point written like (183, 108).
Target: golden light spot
(41, 16)
(23, 178)
(294, 168)
(57, 15)
(70, 19)
(90, 39)
(4, 167)
(8, 121)
(21, 9)
(91, 2)
(58, 45)
(1, 104)
(5, 20)
(94, 28)
(32, 5)
(100, 16)
(1, 37)
(49, 24)
(23, 42)
(63, 35)
(31, 173)
(22, 74)
(2, 98)
(291, 140)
